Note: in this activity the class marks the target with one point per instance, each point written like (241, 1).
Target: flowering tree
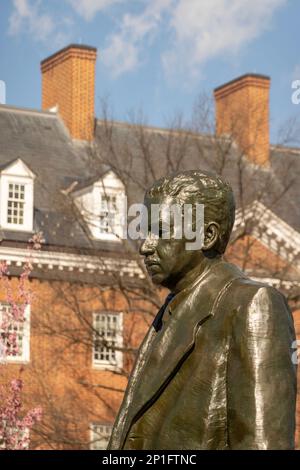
(14, 425)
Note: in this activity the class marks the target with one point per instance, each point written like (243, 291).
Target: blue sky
(155, 55)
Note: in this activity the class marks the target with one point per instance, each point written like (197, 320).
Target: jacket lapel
(162, 353)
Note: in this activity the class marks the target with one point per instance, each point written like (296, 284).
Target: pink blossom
(14, 429)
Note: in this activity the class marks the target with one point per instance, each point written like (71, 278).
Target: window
(22, 331)
(108, 213)
(100, 434)
(108, 340)
(15, 204)
(16, 197)
(103, 206)
(15, 436)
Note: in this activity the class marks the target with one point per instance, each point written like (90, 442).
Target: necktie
(157, 322)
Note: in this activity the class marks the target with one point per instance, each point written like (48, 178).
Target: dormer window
(16, 197)
(15, 204)
(108, 213)
(103, 206)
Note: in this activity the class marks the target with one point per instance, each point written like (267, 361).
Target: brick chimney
(68, 81)
(242, 111)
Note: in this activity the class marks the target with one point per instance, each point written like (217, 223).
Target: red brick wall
(68, 80)
(242, 111)
(60, 376)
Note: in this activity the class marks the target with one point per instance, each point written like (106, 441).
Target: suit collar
(166, 350)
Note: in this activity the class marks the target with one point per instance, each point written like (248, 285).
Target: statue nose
(147, 247)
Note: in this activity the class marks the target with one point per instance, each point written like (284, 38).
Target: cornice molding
(271, 231)
(71, 262)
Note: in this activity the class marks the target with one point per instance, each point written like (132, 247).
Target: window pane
(13, 338)
(108, 213)
(16, 197)
(100, 436)
(107, 337)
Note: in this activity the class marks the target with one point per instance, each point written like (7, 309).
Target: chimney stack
(242, 112)
(68, 81)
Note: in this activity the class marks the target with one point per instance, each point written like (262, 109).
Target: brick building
(67, 174)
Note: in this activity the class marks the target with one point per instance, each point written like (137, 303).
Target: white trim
(28, 111)
(106, 364)
(89, 203)
(17, 173)
(23, 433)
(271, 231)
(18, 168)
(282, 149)
(71, 262)
(94, 438)
(25, 357)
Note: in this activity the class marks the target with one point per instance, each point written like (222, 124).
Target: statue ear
(211, 235)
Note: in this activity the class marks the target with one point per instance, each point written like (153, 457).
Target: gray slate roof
(277, 186)
(41, 140)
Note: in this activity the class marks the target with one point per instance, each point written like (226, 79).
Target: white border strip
(71, 262)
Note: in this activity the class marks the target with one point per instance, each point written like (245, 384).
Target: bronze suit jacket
(218, 375)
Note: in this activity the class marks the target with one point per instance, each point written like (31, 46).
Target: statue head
(168, 259)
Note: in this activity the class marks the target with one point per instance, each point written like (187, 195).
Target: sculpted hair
(203, 188)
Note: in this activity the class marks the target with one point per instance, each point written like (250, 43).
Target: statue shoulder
(257, 305)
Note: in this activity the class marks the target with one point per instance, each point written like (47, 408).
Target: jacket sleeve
(261, 380)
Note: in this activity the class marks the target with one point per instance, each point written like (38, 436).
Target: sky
(156, 57)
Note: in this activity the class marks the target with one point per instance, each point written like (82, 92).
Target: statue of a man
(215, 368)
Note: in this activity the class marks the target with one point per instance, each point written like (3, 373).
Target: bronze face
(167, 260)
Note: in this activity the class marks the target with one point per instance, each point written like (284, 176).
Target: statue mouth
(150, 263)
(152, 267)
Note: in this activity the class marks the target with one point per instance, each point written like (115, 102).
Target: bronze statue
(214, 370)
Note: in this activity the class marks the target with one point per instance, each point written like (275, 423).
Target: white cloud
(89, 8)
(136, 32)
(193, 31)
(206, 29)
(120, 56)
(27, 15)
(197, 31)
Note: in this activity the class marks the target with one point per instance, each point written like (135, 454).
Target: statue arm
(261, 380)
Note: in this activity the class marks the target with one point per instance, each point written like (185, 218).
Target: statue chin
(157, 278)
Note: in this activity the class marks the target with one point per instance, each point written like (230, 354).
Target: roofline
(284, 148)
(32, 111)
(70, 46)
(11, 162)
(159, 130)
(165, 130)
(280, 229)
(241, 77)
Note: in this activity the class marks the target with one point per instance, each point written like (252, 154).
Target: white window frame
(26, 434)
(89, 201)
(16, 204)
(106, 364)
(17, 174)
(116, 232)
(25, 357)
(95, 435)
(105, 210)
